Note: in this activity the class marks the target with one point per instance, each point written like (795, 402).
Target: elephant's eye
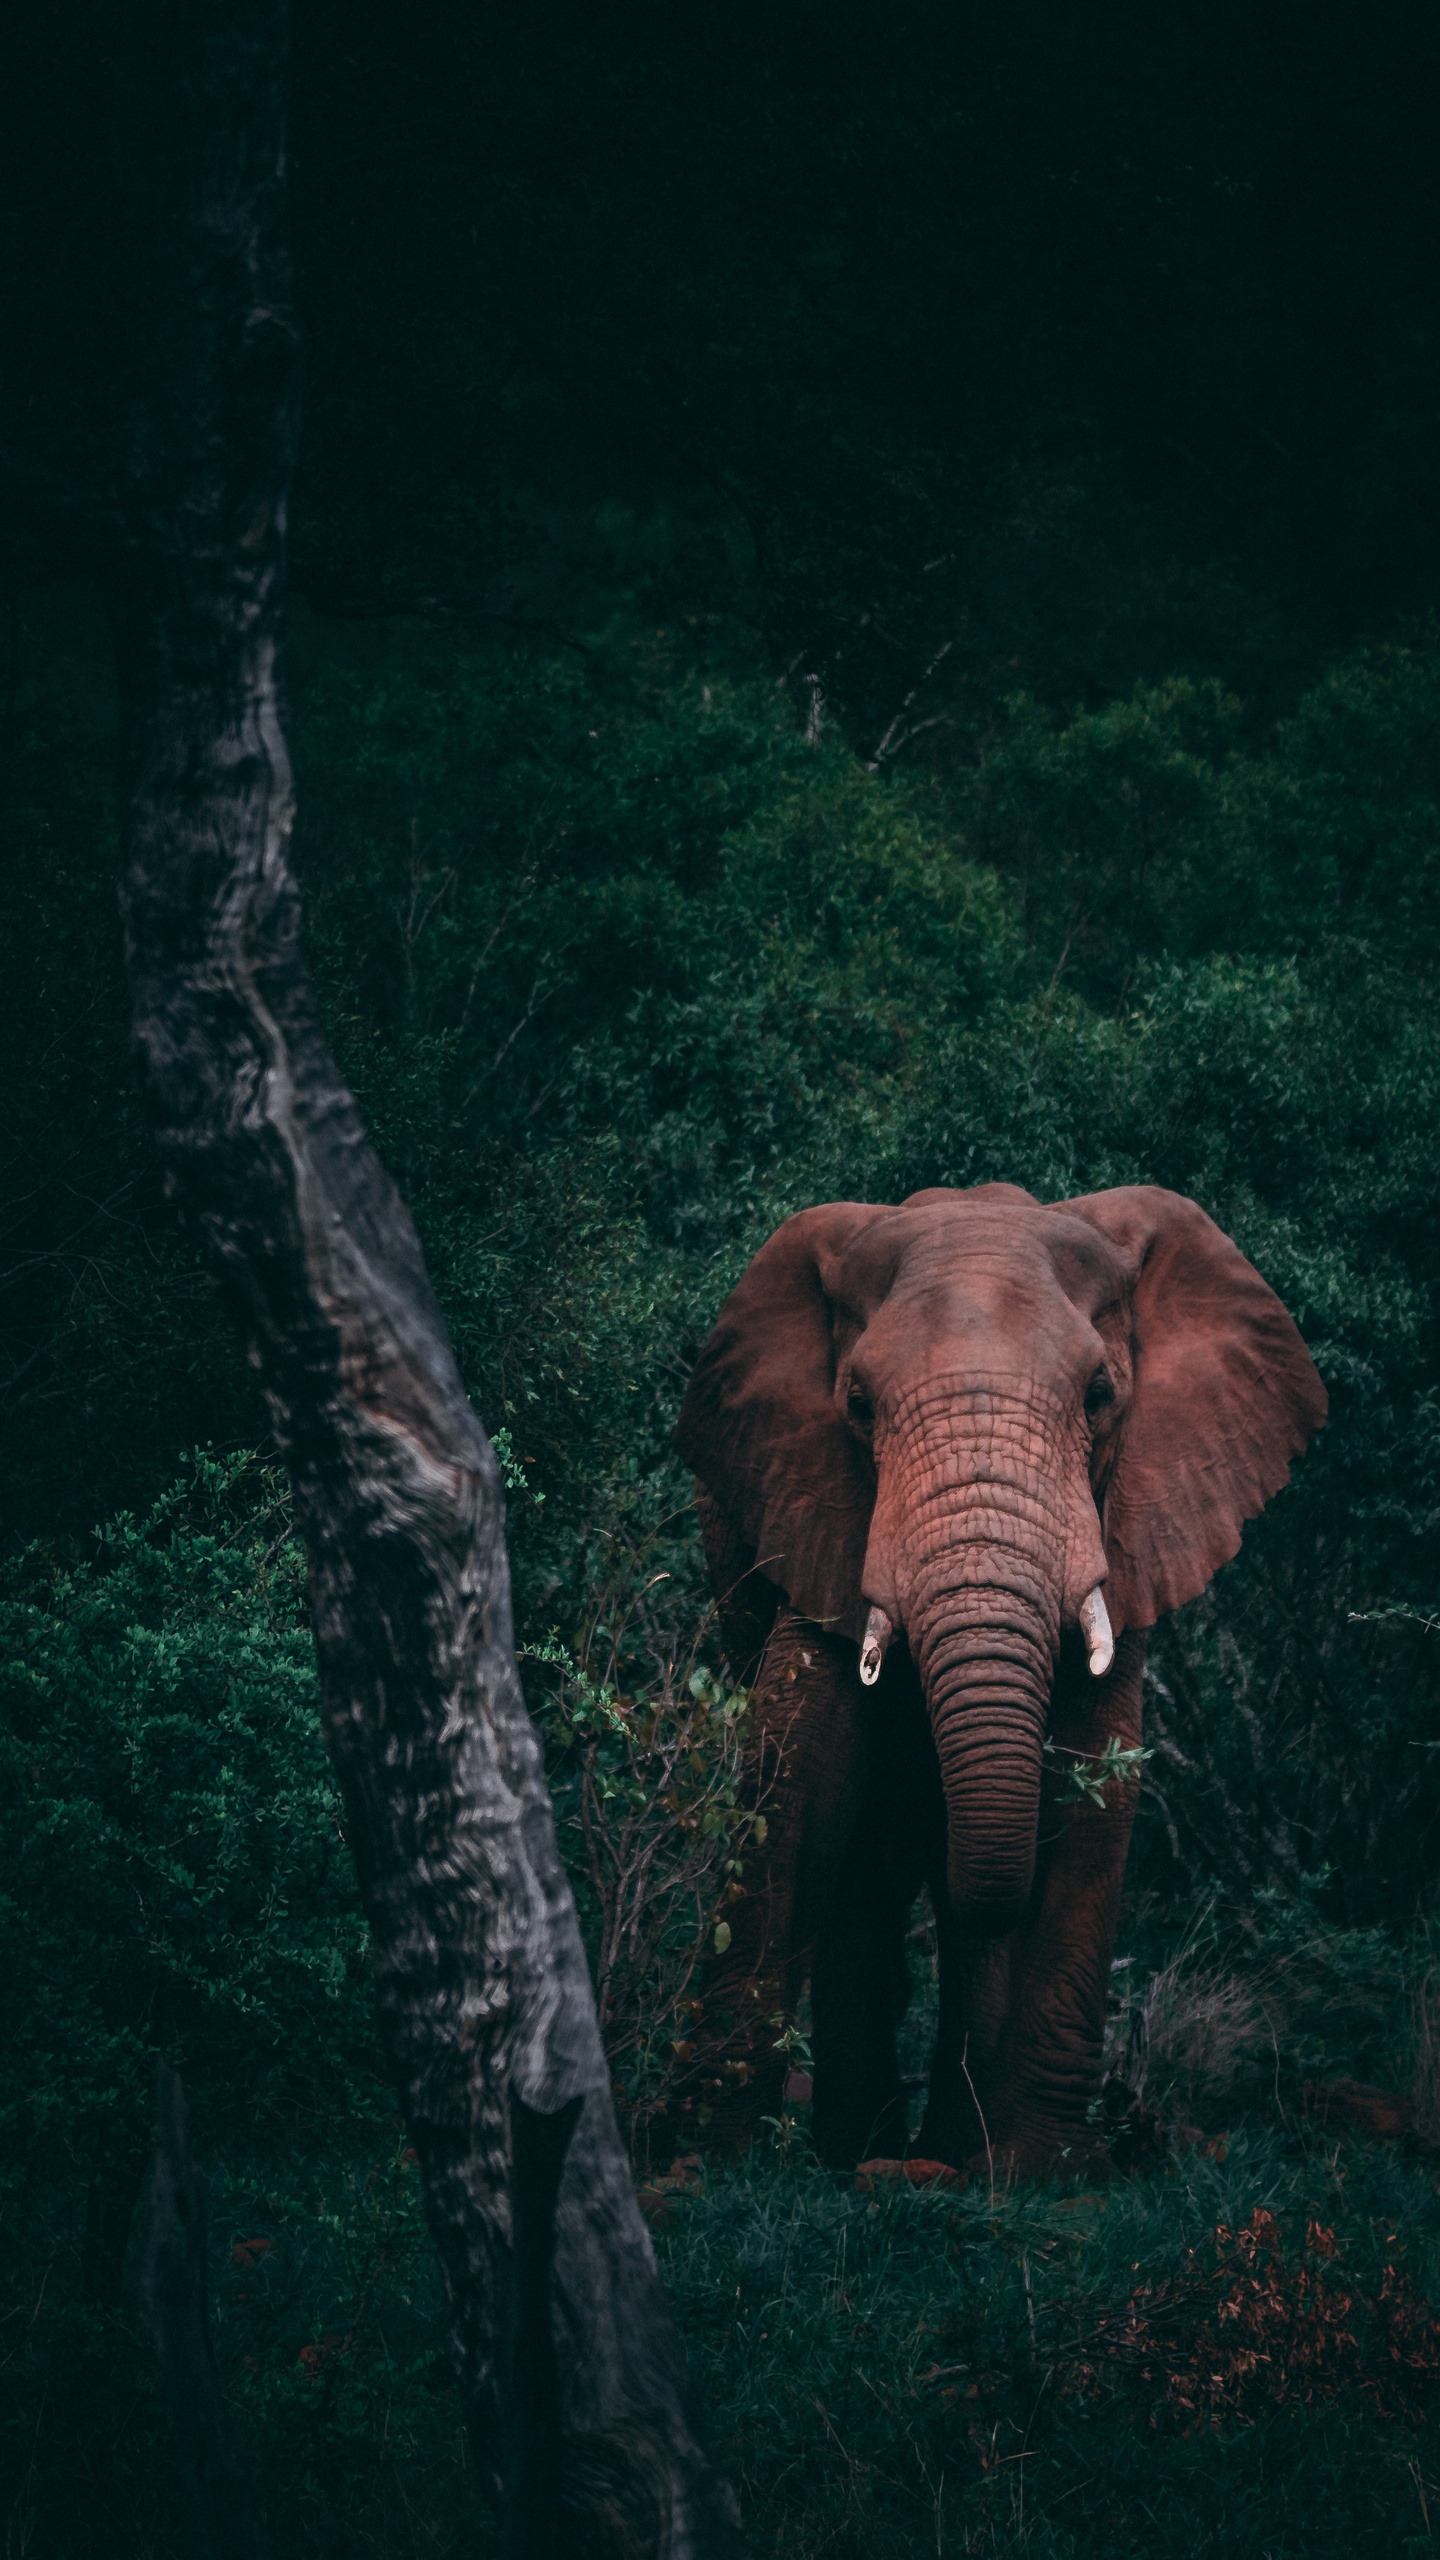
(1100, 1392)
(860, 1408)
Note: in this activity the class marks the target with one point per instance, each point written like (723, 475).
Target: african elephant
(953, 1459)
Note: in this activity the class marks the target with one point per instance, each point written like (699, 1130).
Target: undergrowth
(1236, 2348)
(1238, 2353)
(623, 968)
(1234, 2355)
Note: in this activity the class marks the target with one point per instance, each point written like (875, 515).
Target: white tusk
(1095, 1625)
(878, 1632)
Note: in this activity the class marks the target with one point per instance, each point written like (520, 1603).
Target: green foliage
(1114, 825)
(643, 1746)
(933, 2372)
(1346, 807)
(1247, 2008)
(624, 968)
(117, 1353)
(327, 2316)
(1085, 1775)
(841, 653)
(175, 1875)
(1067, 2374)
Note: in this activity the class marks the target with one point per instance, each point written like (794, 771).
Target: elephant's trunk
(989, 1724)
(982, 1613)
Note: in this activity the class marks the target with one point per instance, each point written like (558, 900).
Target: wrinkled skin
(969, 1412)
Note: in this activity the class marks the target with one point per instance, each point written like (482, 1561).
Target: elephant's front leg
(858, 1992)
(805, 1775)
(974, 2005)
(1050, 2057)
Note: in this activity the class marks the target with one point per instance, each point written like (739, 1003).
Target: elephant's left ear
(1225, 1395)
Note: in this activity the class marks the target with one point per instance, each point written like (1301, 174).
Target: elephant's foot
(853, 2123)
(1000, 2141)
(955, 2133)
(1054, 2152)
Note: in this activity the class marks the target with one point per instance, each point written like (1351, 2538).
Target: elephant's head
(984, 1421)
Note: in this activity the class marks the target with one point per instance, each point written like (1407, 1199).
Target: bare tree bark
(565, 2345)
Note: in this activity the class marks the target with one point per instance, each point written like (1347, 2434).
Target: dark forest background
(864, 592)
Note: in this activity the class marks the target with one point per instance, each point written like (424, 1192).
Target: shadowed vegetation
(862, 622)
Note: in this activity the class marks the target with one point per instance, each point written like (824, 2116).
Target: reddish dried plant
(1259, 2330)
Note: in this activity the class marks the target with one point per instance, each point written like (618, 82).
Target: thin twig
(979, 2110)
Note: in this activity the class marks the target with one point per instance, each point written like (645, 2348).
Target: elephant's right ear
(759, 1427)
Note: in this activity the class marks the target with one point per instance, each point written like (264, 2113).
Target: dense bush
(850, 640)
(175, 1875)
(644, 1750)
(884, 2373)
(624, 967)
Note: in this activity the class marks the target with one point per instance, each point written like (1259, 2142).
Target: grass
(1234, 2353)
(923, 2372)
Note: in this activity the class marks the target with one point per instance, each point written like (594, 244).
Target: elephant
(952, 1460)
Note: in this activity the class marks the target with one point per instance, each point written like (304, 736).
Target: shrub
(175, 1872)
(645, 1755)
(624, 969)
(1244, 2010)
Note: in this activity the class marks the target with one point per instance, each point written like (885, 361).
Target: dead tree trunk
(563, 2338)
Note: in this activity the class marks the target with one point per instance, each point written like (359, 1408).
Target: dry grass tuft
(1235, 2023)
